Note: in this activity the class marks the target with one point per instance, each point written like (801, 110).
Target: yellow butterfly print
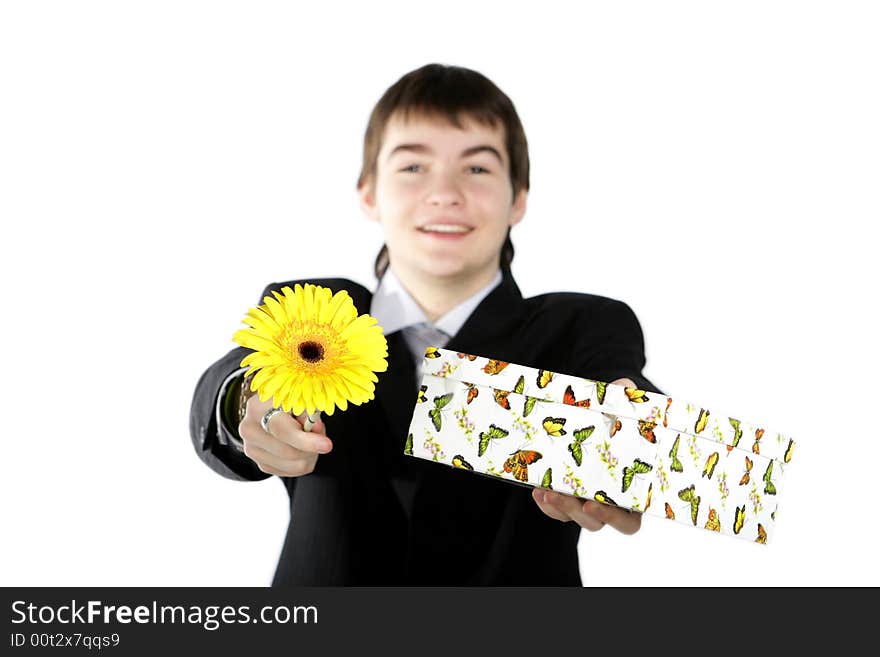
(520, 385)
(432, 352)
(602, 496)
(789, 450)
(492, 433)
(600, 392)
(547, 479)
(769, 488)
(494, 366)
(439, 403)
(553, 426)
(635, 395)
(529, 405)
(713, 522)
(762, 535)
(459, 462)
(648, 501)
(575, 447)
(711, 462)
(756, 448)
(518, 463)
(501, 398)
(638, 467)
(544, 378)
(739, 519)
(422, 397)
(676, 465)
(702, 420)
(689, 495)
(408, 445)
(747, 476)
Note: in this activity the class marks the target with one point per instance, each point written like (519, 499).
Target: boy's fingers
(573, 507)
(624, 521)
(547, 508)
(289, 430)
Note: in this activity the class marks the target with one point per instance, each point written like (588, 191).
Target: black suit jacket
(351, 525)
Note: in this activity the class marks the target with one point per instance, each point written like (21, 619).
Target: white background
(714, 165)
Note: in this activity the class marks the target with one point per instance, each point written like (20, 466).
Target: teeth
(445, 228)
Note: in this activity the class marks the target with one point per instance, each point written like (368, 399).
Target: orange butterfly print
(472, 392)
(669, 512)
(646, 429)
(518, 463)
(756, 448)
(746, 477)
(762, 534)
(494, 366)
(501, 398)
(468, 356)
(568, 398)
(616, 424)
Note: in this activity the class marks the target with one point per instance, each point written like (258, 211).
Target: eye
(476, 166)
(409, 168)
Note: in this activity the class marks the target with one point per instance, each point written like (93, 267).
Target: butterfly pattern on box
(623, 446)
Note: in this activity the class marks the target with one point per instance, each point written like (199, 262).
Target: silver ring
(268, 415)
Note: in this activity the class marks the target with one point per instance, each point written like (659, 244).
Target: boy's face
(429, 173)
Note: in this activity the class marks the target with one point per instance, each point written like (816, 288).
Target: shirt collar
(394, 308)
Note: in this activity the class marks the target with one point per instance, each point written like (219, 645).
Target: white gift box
(635, 449)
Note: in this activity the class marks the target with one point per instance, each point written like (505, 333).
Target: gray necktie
(418, 336)
(422, 335)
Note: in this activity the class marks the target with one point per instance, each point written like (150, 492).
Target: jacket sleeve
(210, 438)
(621, 347)
(216, 443)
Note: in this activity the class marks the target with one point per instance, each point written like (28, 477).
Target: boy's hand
(285, 449)
(588, 514)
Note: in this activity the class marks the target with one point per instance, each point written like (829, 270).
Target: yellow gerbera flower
(311, 350)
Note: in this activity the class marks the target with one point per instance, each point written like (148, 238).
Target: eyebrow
(422, 148)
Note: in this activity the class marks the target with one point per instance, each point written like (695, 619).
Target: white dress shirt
(396, 310)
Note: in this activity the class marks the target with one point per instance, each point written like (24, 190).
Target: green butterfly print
(492, 433)
(769, 488)
(547, 481)
(575, 447)
(529, 405)
(520, 385)
(737, 431)
(439, 403)
(407, 446)
(676, 464)
(600, 392)
(638, 467)
(688, 495)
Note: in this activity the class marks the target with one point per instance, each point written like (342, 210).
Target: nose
(444, 191)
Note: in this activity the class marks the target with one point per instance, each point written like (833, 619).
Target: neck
(437, 295)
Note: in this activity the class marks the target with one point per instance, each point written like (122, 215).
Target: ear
(518, 210)
(367, 201)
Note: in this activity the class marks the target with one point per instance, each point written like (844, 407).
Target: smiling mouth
(445, 229)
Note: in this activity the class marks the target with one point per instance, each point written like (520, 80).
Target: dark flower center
(311, 351)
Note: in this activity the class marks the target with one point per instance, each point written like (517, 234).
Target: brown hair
(448, 92)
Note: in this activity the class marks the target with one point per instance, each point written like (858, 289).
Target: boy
(445, 175)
